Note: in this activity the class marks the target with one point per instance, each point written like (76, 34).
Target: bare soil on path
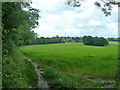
(41, 82)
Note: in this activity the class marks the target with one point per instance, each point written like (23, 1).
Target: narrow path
(104, 82)
(41, 82)
(107, 83)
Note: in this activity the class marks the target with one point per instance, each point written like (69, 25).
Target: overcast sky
(57, 18)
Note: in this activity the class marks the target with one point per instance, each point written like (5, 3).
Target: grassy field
(75, 59)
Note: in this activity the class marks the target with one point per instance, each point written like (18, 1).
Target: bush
(96, 41)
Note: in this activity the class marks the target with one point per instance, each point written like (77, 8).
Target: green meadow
(75, 59)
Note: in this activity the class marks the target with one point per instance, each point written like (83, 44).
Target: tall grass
(76, 58)
(18, 72)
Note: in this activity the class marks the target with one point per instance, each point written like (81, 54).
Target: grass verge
(18, 72)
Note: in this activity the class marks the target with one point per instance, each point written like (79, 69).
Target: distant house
(76, 41)
(80, 40)
(73, 40)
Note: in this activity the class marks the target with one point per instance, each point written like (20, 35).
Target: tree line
(55, 39)
(87, 40)
(113, 39)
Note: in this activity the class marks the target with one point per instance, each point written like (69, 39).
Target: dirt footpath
(41, 82)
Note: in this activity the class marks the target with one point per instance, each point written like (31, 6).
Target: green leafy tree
(18, 23)
(96, 41)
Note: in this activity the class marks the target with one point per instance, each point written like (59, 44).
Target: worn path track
(41, 82)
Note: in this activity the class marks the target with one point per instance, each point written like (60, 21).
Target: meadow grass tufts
(75, 58)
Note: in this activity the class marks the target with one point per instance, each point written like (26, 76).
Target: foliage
(17, 72)
(105, 5)
(47, 40)
(77, 39)
(96, 41)
(55, 39)
(113, 39)
(17, 25)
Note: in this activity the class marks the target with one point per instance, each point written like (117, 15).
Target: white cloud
(94, 22)
(113, 26)
(80, 25)
(60, 19)
(102, 32)
(90, 23)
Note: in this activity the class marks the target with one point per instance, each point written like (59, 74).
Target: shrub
(96, 41)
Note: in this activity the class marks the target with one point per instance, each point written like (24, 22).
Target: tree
(96, 41)
(113, 39)
(18, 24)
